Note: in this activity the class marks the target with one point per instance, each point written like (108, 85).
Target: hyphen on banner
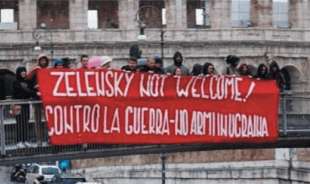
(115, 107)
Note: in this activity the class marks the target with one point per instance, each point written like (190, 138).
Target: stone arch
(7, 77)
(292, 76)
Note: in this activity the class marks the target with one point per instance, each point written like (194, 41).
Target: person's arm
(23, 88)
(168, 70)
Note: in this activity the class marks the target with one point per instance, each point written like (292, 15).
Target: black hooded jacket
(276, 74)
(21, 88)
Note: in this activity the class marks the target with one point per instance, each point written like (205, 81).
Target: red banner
(115, 107)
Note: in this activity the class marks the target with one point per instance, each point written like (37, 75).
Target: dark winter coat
(21, 89)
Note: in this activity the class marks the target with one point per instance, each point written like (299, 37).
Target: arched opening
(292, 77)
(7, 78)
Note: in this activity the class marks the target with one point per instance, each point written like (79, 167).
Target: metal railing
(294, 115)
(23, 131)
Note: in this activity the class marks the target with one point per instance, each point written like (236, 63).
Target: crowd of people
(26, 84)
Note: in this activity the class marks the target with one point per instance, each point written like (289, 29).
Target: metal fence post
(2, 131)
(284, 114)
(163, 168)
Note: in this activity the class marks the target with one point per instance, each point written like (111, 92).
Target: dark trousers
(22, 121)
(38, 122)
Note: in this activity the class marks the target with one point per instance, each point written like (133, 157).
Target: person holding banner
(232, 61)
(177, 71)
(84, 61)
(150, 67)
(276, 74)
(208, 69)
(262, 72)
(98, 62)
(244, 70)
(178, 62)
(21, 90)
(131, 65)
(43, 62)
(197, 70)
(58, 63)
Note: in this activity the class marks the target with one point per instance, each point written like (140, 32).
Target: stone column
(306, 13)
(127, 11)
(27, 14)
(78, 10)
(261, 13)
(176, 14)
(220, 11)
(298, 13)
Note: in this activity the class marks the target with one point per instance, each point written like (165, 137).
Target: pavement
(5, 175)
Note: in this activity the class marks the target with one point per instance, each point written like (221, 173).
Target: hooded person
(209, 69)
(21, 90)
(58, 63)
(97, 62)
(244, 70)
(276, 74)
(150, 67)
(197, 70)
(42, 62)
(159, 65)
(177, 63)
(232, 61)
(66, 63)
(159, 62)
(262, 72)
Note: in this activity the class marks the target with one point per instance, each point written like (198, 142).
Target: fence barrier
(23, 128)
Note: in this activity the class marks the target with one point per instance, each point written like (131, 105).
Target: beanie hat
(98, 61)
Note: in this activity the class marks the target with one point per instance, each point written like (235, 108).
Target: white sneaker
(44, 144)
(11, 147)
(27, 144)
(20, 145)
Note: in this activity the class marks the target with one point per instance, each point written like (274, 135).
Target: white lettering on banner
(111, 125)
(115, 122)
(218, 124)
(136, 121)
(95, 83)
(239, 125)
(198, 123)
(70, 119)
(250, 91)
(183, 92)
(57, 85)
(117, 84)
(220, 88)
(152, 85)
(90, 90)
(79, 87)
(182, 126)
(203, 93)
(223, 86)
(66, 119)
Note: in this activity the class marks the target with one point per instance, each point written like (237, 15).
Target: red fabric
(248, 112)
(32, 72)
